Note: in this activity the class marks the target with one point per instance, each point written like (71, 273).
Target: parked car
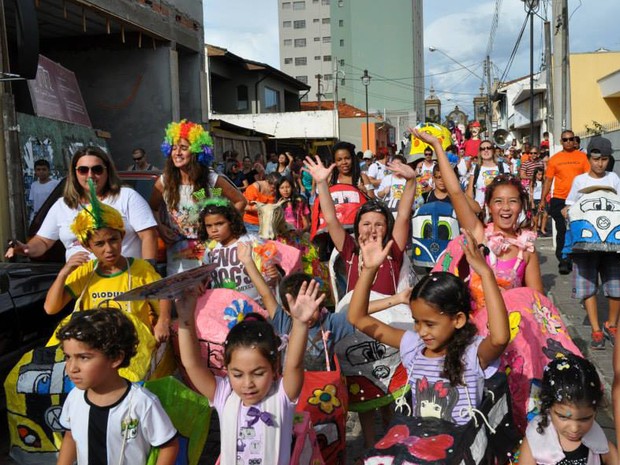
(24, 285)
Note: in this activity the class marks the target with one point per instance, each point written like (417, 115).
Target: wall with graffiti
(54, 141)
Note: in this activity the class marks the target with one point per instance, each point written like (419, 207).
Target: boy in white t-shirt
(378, 170)
(40, 189)
(391, 188)
(588, 266)
(107, 419)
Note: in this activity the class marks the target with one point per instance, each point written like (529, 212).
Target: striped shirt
(431, 394)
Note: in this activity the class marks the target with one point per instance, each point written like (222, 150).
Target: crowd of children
(108, 419)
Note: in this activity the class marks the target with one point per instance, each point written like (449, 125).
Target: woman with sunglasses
(140, 240)
(181, 191)
(486, 169)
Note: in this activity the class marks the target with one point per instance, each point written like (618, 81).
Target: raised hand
(244, 252)
(474, 253)
(308, 301)
(161, 331)
(186, 305)
(76, 260)
(424, 136)
(317, 170)
(404, 295)
(402, 169)
(372, 251)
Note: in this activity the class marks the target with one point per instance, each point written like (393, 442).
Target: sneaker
(598, 340)
(565, 266)
(610, 332)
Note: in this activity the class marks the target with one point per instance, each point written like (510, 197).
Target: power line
(513, 54)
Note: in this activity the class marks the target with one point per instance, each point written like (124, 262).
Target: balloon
(440, 132)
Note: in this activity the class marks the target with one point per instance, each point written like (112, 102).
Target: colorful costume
(186, 252)
(472, 145)
(324, 393)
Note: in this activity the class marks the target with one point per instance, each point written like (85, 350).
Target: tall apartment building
(339, 39)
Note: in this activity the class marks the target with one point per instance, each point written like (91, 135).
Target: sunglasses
(486, 147)
(97, 170)
(568, 139)
(138, 158)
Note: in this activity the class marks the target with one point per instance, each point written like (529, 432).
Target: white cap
(367, 155)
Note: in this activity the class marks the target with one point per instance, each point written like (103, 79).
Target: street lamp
(531, 7)
(366, 81)
(435, 49)
(477, 76)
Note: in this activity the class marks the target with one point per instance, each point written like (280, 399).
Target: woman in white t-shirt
(180, 192)
(482, 174)
(140, 239)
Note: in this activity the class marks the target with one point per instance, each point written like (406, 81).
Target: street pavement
(559, 288)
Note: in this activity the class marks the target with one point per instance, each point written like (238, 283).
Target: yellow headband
(95, 216)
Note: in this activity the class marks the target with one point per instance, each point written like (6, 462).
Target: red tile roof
(344, 109)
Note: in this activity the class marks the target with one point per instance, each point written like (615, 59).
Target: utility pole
(318, 88)
(549, 80)
(560, 75)
(489, 102)
(336, 79)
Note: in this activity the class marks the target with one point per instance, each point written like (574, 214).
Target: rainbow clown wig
(200, 142)
(95, 216)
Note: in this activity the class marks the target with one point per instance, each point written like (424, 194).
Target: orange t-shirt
(564, 167)
(252, 194)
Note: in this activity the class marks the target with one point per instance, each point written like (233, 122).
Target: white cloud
(248, 28)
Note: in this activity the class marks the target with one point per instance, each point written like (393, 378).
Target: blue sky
(249, 28)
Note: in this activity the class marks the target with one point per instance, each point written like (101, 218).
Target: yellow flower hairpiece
(95, 216)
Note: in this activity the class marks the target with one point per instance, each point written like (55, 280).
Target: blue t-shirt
(314, 358)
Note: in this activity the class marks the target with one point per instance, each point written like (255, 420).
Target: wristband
(369, 187)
